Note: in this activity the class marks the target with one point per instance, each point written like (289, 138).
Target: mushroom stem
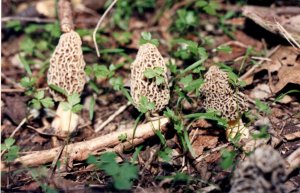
(237, 127)
(64, 121)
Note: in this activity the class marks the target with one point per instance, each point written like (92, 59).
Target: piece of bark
(81, 150)
(267, 18)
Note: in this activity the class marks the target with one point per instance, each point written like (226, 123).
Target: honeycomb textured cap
(219, 96)
(147, 57)
(67, 66)
(262, 172)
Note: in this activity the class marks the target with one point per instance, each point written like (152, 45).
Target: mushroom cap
(147, 57)
(67, 66)
(262, 172)
(219, 96)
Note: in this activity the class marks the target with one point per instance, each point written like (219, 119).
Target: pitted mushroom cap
(67, 66)
(148, 56)
(262, 172)
(219, 96)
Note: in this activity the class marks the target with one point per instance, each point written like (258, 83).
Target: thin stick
(112, 117)
(200, 158)
(29, 19)
(288, 36)
(99, 23)
(10, 90)
(252, 69)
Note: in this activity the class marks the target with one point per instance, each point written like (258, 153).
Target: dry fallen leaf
(202, 140)
(286, 63)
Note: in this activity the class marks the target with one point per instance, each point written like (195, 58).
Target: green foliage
(185, 21)
(12, 151)
(263, 133)
(29, 84)
(224, 48)
(15, 25)
(73, 103)
(189, 49)
(179, 177)
(262, 107)
(122, 174)
(233, 77)
(100, 71)
(284, 94)
(157, 73)
(227, 158)
(180, 130)
(122, 37)
(210, 115)
(165, 154)
(146, 37)
(191, 85)
(209, 7)
(146, 105)
(122, 138)
(58, 89)
(40, 100)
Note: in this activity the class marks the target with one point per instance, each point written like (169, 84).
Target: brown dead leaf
(286, 62)
(202, 142)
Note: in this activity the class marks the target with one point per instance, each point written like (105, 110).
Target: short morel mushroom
(262, 172)
(221, 97)
(66, 70)
(148, 57)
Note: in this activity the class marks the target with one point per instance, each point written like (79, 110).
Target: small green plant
(122, 174)
(180, 130)
(145, 105)
(147, 38)
(157, 73)
(29, 84)
(210, 7)
(185, 21)
(40, 100)
(189, 50)
(262, 134)
(262, 107)
(73, 103)
(12, 151)
(122, 37)
(191, 85)
(227, 158)
(122, 138)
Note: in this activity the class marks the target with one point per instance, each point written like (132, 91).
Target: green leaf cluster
(189, 49)
(157, 73)
(146, 105)
(12, 150)
(227, 158)
(73, 103)
(185, 21)
(146, 37)
(122, 174)
(210, 7)
(40, 100)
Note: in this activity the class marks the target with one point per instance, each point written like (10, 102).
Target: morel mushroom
(148, 57)
(219, 96)
(67, 72)
(262, 172)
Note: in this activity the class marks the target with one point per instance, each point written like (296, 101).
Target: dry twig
(99, 23)
(81, 150)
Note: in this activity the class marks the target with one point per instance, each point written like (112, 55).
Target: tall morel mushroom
(148, 57)
(221, 97)
(262, 172)
(66, 69)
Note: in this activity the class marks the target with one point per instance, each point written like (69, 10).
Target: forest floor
(256, 46)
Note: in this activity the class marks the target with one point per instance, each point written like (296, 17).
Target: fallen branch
(81, 150)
